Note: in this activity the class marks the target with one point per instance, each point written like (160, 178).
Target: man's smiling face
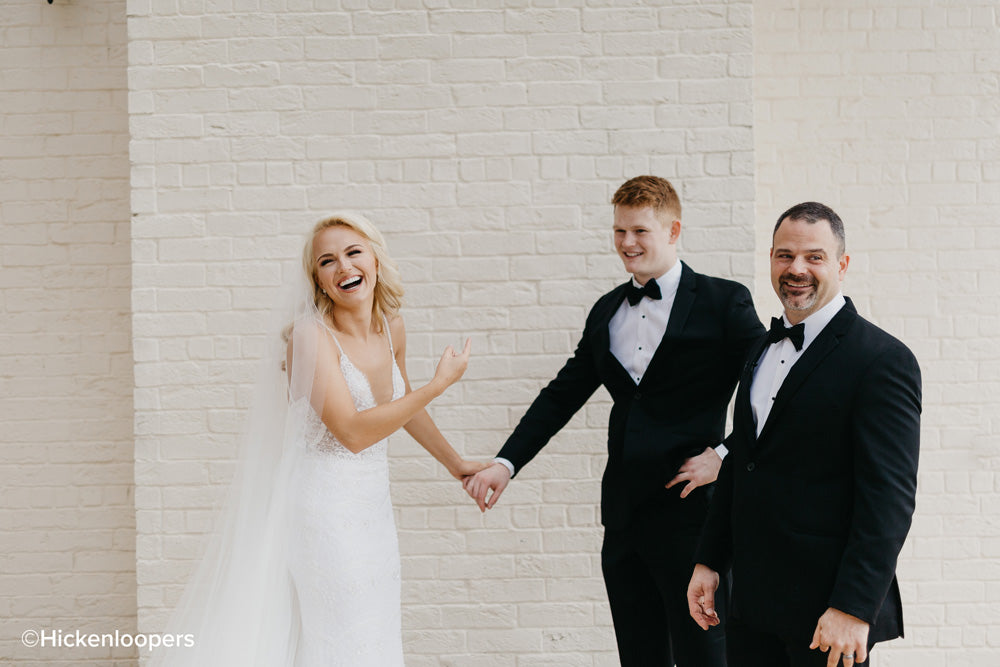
(646, 241)
(807, 267)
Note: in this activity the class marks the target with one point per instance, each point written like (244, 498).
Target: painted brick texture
(486, 142)
(67, 549)
(485, 139)
(888, 113)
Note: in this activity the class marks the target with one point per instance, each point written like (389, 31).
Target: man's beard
(797, 301)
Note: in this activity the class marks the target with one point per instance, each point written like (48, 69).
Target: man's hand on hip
(697, 471)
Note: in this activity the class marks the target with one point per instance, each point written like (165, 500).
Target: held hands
(452, 365)
(495, 477)
(697, 471)
(466, 469)
(701, 596)
(843, 635)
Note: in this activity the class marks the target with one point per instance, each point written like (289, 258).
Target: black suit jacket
(677, 409)
(813, 513)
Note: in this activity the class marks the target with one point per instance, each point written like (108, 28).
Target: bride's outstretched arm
(422, 428)
(425, 431)
(359, 430)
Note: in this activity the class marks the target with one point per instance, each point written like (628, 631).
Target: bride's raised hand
(468, 468)
(452, 365)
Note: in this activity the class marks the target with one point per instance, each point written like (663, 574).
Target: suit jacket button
(750, 466)
(638, 395)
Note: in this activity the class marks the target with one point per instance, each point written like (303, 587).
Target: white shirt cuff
(722, 450)
(505, 463)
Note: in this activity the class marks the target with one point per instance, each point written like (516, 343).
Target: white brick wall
(67, 526)
(486, 143)
(888, 111)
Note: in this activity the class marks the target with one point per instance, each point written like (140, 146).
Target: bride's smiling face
(346, 268)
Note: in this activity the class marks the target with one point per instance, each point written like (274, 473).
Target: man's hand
(494, 478)
(701, 596)
(843, 635)
(697, 471)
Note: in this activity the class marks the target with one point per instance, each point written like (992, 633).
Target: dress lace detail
(319, 437)
(345, 553)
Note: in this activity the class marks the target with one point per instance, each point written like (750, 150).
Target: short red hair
(651, 191)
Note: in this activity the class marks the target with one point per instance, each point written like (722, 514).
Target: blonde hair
(388, 285)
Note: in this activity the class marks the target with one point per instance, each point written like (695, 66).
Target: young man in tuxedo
(816, 495)
(668, 345)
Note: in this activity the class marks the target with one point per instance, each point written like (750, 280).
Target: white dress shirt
(773, 366)
(636, 331)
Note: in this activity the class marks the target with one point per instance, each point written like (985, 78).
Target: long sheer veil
(239, 608)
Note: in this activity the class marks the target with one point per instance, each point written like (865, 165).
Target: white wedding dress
(343, 551)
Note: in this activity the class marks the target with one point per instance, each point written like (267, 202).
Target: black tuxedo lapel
(743, 410)
(682, 305)
(818, 350)
(602, 338)
(675, 322)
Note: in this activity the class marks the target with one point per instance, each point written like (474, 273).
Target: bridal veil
(239, 607)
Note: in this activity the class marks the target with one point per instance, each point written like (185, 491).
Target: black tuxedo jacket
(813, 513)
(677, 409)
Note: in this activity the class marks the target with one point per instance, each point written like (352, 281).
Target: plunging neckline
(393, 367)
(371, 392)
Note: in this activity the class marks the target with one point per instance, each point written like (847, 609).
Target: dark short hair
(651, 191)
(812, 212)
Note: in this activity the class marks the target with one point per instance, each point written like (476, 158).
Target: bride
(304, 569)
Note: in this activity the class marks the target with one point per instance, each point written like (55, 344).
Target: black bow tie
(779, 331)
(634, 294)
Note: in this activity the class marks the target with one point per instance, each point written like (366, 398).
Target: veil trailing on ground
(239, 608)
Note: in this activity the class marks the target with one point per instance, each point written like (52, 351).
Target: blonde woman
(305, 568)
(346, 552)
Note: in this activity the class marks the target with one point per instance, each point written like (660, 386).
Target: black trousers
(647, 567)
(751, 647)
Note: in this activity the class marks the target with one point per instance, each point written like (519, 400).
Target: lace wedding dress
(343, 551)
